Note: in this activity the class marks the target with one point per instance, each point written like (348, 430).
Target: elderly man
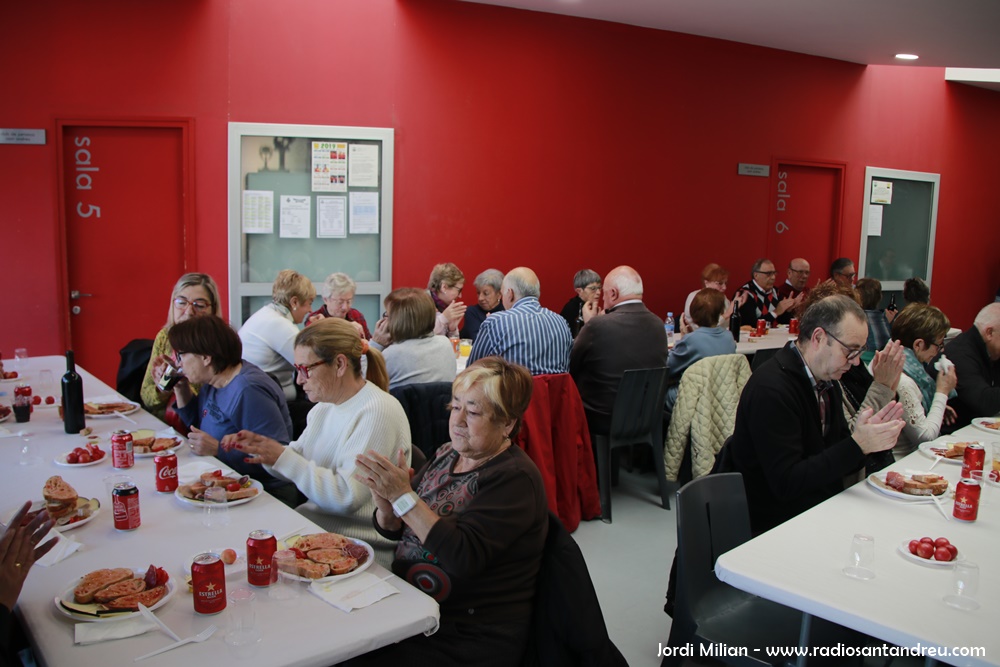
(976, 353)
(762, 301)
(797, 279)
(842, 271)
(792, 442)
(524, 333)
(624, 337)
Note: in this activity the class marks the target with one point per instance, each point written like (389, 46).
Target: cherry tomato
(216, 473)
(942, 553)
(954, 551)
(925, 550)
(72, 457)
(78, 450)
(50, 400)
(913, 546)
(298, 552)
(927, 539)
(941, 542)
(85, 458)
(36, 400)
(161, 576)
(233, 486)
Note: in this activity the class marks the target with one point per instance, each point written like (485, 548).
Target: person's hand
(785, 304)
(381, 333)
(261, 448)
(454, 312)
(947, 379)
(888, 365)
(160, 365)
(686, 327)
(315, 317)
(18, 551)
(386, 479)
(360, 329)
(950, 415)
(890, 315)
(590, 310)
(879, 432)
(202, 444)
(741, 297)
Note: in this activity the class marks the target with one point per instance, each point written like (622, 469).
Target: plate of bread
(113, 594)
(947, 450)
(326, 557)
(108, 409)
(907, 485)
(67, 509)
(146, 443)
(988, 424)
(239, 490)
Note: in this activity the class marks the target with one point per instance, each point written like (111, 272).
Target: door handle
(76, 294)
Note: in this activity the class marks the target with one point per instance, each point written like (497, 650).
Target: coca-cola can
(125, 506)
(166, 472)
(761, 327)
(208, 583)
(975, 458)
(967, 500)
(121, 450)
(793, 326)
(261, 546)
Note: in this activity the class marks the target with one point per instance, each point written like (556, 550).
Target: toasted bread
(147, 597)
(321, 541)
(306, 568)
(97, 580)
(60, 497)
(248, 492)
(127, 587)
(335, 558)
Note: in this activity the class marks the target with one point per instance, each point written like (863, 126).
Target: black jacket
(978, 378)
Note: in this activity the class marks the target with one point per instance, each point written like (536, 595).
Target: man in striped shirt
(525, 333)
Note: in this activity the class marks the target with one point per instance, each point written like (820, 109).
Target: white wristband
(404, 503)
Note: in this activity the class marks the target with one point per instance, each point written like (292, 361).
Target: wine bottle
(734, 320)
(892, 302)
(72, 397)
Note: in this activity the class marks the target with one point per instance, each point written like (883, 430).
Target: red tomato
(954, 551)
(913, 546)
(36, 400)
(216, 473)
(925, 550)
(85, 458)
(942, 553)
(298, 552)
(927, 539)
(50, 400)
(72, 457)
(941, 542)
(99, 454)
(161, 576)
(233, 486)
(79, 450)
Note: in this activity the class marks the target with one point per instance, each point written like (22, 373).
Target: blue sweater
(695, 346)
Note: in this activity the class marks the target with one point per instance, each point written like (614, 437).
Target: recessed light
(906, 56)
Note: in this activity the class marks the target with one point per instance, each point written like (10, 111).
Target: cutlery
(200, 637)
(940, 508)
(144, 610)
(937, 459)
(126, 418)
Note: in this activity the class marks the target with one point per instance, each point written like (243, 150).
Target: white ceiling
(944, 33)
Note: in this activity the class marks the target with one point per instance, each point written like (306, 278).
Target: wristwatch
(404, 503)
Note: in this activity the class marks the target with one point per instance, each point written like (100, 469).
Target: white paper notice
(258, 212)
(294, 219)
(364, 212)
(331, 217)
(881, 192)
(329, 166)
(363, 172)
(874, 220)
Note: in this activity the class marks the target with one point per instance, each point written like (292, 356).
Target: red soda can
(121, 450)
(793, 326)
(967, 500)
(761, 327)
(261, 546)
(208, 583)
(166, 472)
(975, 457)
(125, 506)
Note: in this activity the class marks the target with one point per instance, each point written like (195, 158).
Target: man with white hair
(524, 333)
(625, 336)
(976, 353)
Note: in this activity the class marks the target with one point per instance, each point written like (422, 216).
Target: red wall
(521, 137)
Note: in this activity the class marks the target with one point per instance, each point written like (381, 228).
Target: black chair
(132, 368)
(426, 408)
(636, 419)
(760, 356)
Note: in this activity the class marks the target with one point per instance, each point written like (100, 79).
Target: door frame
(839, 169)
(189, 252)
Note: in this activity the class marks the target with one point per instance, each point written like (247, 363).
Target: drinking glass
(29, 453)
(216, 513)
(243, 634)
(465, 347)
(983, 477)
(20, 360)
(861, 557)
(46, 384)
(284, 589)
(964, 586)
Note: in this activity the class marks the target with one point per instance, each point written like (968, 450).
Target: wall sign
(14, 135)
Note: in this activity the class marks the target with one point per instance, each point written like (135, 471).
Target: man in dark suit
(625, 336)
(976, 354)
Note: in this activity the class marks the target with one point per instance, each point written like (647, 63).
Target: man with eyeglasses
(842, 271)
(796, 284)
(792, 442)
(976, 355)
(763, 302)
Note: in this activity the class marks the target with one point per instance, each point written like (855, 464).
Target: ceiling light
(906, 56)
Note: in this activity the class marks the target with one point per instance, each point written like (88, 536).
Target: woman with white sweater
(405, 336)
(353, 415)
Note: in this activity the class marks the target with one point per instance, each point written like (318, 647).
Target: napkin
(64, 548)
(191, 472)
(92, 633)
(354, 593)
(944, 363)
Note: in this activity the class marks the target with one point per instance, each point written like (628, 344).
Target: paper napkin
(92, 633)
(944, 363)
(64, 548)
(354, 593)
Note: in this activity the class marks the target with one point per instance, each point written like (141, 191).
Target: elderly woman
(714, 277)
(488, 292)
(921, 329)
(352, 415)
(413, 354)
(870, 291)
(338, 296)
(269, 335)
(234, 395)
(195, 294)
(445, 285)
(471, 524)
(708, 339)
(587, 284)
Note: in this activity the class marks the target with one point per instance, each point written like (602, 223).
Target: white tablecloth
(312, 633)
(799, 565)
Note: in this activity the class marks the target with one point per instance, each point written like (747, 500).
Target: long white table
(311, 633)
(799, 564)
(773, 340)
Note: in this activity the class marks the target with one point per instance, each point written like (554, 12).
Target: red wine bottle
(72, 397)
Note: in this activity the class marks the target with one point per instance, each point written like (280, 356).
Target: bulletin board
(313, 198)
(898, 226)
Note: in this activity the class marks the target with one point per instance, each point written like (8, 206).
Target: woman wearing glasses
(587, 284)
(194, 295)
(338, 299)
(353, 414)
(714, 277)
(445, 287)
(921, 329)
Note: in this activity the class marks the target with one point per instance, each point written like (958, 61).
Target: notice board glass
(313, 198)
(898, 226)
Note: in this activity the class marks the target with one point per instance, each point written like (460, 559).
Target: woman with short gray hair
(338, 298)
(587, 284)
(488, 291)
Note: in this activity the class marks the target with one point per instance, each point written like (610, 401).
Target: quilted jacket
(705, 412)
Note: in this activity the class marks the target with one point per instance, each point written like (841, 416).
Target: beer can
(967, 500)
(761, 327)
(793, 326)
(975, 458)
(125, 506)
(208, 583)
(166, 472)
(121, 450)
(261, 546)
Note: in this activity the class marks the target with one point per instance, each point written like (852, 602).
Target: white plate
(233, 503)
(877, 481)
(904, 551)
(339, 577)
(979, 422)
(6, 416)
(135, 406)
(925, 449)
(21, 378)
(67, 596)
(239, 566)
(61, 460)
(37, 505)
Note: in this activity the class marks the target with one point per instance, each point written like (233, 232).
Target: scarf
(438, 303)
(915, 370)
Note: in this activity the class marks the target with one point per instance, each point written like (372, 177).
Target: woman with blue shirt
(235, 395)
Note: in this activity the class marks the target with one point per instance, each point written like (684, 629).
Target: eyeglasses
(339, 302)
(180, 303)
(849, 275)
(850, 352)
(593, 288)
(766, 273)
(802, 271)
(939, 346)
(304, 370)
